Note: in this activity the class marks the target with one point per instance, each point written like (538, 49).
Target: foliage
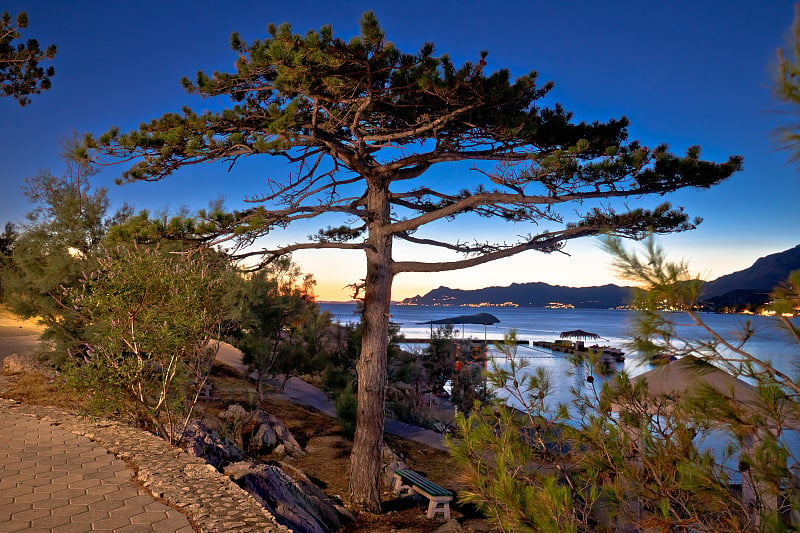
(283, 329)
(154, 320)
(56, 245)
(438, 359)
(787, 90)
(20, 72)
(469, 379)
(7, 240)
(361, 123)
(346, 404)
(622, 455)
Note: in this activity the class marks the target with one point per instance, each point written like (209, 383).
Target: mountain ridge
(744, 288)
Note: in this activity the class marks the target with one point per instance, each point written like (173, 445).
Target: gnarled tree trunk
(365, 461)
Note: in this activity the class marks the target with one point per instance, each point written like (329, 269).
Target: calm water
(769, 342)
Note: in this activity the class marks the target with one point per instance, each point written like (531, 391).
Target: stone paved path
(54, 480)
(36, 443)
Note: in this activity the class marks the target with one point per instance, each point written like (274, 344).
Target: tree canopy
(787, 89)
(361, 123)
(21, 74)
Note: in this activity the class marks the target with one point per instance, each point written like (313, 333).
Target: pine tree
(21, 74)
(362, 124)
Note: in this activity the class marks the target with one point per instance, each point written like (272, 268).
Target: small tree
(438, 359)
(7, 239)
(154, 321)
(362, 123)
(20, 72)
(57, 244)
(279, 302)
(621, 455)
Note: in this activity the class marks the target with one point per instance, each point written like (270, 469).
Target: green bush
(335, 380)
(346, 410)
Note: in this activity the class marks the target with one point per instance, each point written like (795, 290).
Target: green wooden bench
(406, 481)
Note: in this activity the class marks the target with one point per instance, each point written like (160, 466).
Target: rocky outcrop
(260, 433)
(207, 444)
(293, 499)
(17, 364)
(391, 462)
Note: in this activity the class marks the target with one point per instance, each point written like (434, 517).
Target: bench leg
(399, 488)
(439, 507)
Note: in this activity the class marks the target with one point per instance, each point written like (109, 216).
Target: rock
(391, 462)
(234, 412)
(272, 433)
(279, 451)
(296, 503)
(478, 525)
(208, 445)
(260, 432)
(451, 526)
(265, 437)
(237, 471)
(16, 364)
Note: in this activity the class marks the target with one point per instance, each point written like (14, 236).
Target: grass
(36, 389)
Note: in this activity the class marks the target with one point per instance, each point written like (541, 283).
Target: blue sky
(684, 73)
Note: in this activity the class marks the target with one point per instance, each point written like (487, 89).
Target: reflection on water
(532, 324)
(768, 343)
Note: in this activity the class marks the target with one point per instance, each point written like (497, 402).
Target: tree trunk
(365, 461)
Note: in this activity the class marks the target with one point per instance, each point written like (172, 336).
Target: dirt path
(17, 335)
(299, 392)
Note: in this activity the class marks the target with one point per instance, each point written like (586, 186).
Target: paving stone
(88, 517)
(70, 528)
(27, 515)
(16, 525)
(40, 481)
(49, 522)
(140, 501)
(138, 528)
(115, 523)
(148, 518)
(66, 468)
(68, 493)
(69, 509)
(88, 499)
(10, 508)
(109, 505)
(32, 497)
(17, 491)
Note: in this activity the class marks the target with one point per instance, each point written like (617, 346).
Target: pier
(473, 341)
(608, 353)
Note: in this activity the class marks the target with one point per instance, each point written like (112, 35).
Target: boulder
(16, 364)
(260, 432)
(451, 526)
(265, 437)
(391, 462)
(296, 503)
(203, 442)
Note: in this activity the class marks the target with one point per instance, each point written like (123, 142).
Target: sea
(769, 342)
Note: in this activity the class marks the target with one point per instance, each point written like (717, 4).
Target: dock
(608, 353)
(473, 341)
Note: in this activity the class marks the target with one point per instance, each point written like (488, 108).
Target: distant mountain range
(747, 288)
